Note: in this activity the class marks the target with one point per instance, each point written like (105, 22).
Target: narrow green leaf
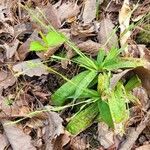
(100, 56)
(54, 39)
(86, 62)
(132, 83)
(68, 89)
(37, 46)
(83, 119)
(84, 83)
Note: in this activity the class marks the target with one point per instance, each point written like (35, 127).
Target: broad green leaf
(120, 64)
(100, 56)
(83, 119)
(105, 113)
(68, 89)
(117, 104)
(37, 46)
(88, 93)
(84, 83)
(132, 83)
(54, 39)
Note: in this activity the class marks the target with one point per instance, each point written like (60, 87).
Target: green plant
(104, 103)
(110, 104)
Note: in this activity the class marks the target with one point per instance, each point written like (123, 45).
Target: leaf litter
(91, 25)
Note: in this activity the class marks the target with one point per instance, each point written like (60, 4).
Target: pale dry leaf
(31, 68)
(144, 147)
(89, 12)
(17, 138)
(105, 135)
(124, 21)
(3, 141)
(106, 34)
(67, 10)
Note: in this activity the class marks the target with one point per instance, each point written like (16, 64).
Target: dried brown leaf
(107, 35)
(17, 138)
(89, 12)
(90, 47)
(31, 68)
(6, 79)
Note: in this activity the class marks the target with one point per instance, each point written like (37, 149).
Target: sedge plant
(92, 85)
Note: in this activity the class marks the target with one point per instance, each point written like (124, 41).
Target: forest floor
(31, 72)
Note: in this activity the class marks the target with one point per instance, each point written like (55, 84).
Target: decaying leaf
(105, 135)
(3, 141)
(17, 138)
(31, 68)
(6, 79)
(106, 35)
(144, 147)
(23, 50)
(89, 12)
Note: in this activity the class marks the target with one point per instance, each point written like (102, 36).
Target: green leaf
(86, 62)
(113, 54)
(120, 64)
(83, 119)
(88, 93)
(67, 89)
(100, 56)
(105, 113)
(132, 83)
(84, 83)
(54, 39)
(37, 46)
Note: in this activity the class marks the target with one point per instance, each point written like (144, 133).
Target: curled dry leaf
(31, 68)
(67, 10)
(116, 77)
(6, 79)
(89, 12)
(106, 34)
(144, 147)
(53, 130)
(23, 50)
(17, 138)
(3, 141)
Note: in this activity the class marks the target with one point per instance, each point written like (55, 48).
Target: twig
(134, 133)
